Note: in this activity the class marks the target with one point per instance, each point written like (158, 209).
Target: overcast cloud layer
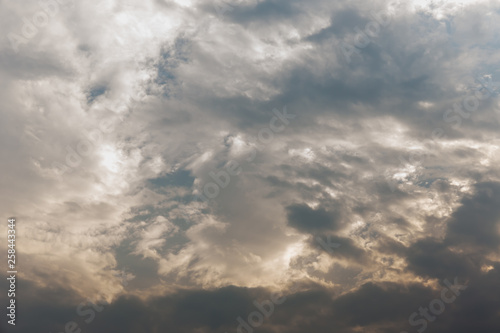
(176, 161)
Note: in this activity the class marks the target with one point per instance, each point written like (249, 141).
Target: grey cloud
(475, 224)
(304, 218)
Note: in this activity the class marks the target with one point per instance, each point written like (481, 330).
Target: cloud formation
(117, 114)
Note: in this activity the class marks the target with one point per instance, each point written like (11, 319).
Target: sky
(251, 166)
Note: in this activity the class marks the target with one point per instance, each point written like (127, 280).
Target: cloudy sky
(252, 165)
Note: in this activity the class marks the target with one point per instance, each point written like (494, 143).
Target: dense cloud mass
(252, 165)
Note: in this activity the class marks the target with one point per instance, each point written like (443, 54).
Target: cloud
(304, 218)
(116, 115)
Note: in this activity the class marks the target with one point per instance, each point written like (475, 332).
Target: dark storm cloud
(304, 218)
(476, 224)
(183, 311)
(431, 258)
(473, 230)
(374, 307)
